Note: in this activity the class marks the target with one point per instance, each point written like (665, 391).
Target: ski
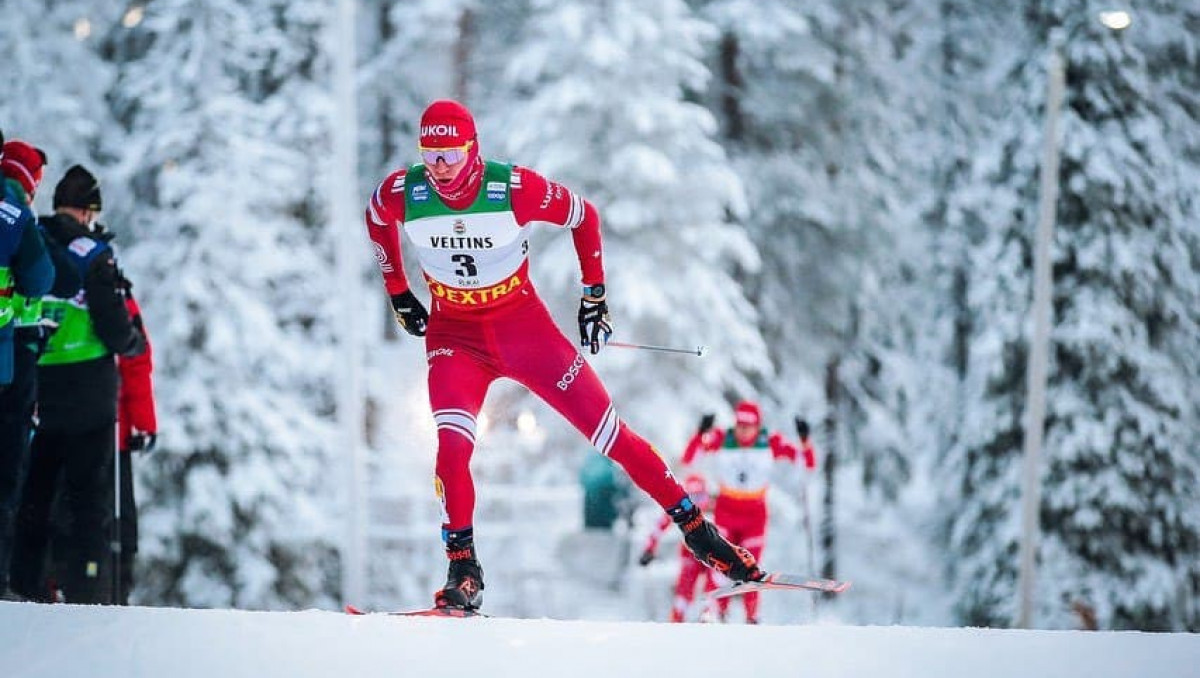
(780, 580)
(429, 612)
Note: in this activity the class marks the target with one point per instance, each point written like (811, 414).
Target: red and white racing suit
(742, 471)
(487, 321)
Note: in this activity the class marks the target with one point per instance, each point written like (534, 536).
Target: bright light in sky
(83, 28)
(1116, 20)
(133, 17)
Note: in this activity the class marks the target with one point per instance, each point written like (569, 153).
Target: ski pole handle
(698, 351)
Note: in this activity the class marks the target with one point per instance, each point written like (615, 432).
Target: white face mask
(93, 217)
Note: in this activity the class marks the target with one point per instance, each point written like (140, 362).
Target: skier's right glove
(141, 441)
(595, 325)
(646, 557)
(410, 313)
(706, 423)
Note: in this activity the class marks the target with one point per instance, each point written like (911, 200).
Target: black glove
(410, 313)
(802, 428)
(140, 441)
(595, 326)
(646, 557)
(706, 423)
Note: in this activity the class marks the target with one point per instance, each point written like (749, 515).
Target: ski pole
(115, 532)
(698, 351)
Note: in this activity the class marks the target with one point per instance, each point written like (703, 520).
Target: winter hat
(78, 188)
(24, 163)
(747, 413)
(446, 124)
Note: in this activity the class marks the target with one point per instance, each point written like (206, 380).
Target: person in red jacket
(137, 430)
(469, 222)
(691, 572)
(742, 460)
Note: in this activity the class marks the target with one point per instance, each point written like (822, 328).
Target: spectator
(77, 405)
(26, 273)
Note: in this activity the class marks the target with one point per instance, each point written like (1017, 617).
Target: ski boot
(464, 580)
(710, 548)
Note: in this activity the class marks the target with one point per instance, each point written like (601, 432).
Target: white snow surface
(44, 641)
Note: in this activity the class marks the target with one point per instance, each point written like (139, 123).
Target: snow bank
(100, 642)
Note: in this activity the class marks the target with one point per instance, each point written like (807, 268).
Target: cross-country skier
(691, 572)
(468, 220)
(741, 461)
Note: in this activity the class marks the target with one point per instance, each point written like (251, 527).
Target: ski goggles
(451, 156)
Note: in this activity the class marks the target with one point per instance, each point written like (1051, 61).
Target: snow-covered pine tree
(1119, 514)
(833, 108)
(227, 116)
(962, 82)
(977, 53)
(831, 191)
(772, 91)
(56, 83)
(601, 101)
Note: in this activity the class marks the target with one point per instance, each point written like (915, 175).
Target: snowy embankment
(102, 642)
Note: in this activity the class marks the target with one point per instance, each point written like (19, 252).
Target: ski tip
(350, 609)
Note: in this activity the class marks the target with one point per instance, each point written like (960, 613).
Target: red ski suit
(742, 471)
(487, 321)
(691, 571)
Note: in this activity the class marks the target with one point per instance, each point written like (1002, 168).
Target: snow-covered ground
(60, 641)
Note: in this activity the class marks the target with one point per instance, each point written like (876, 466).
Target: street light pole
(1039, 347)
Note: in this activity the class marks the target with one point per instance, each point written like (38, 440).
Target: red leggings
(467, 351)
(741, 521)
(691, 571)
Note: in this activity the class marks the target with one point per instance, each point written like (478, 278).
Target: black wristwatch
(594, 291)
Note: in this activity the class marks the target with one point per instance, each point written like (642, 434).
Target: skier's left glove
(802, 429)
(595, 325)
(141, 441)
(646, 558)
(410, 313)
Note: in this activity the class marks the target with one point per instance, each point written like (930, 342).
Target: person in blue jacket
(26, 272)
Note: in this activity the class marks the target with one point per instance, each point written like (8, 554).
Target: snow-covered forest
(838, 198)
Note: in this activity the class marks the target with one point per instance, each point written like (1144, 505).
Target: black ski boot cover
(710, 548)
(464, 580)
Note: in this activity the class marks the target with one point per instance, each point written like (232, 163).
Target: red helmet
(448, 124)
(747, 413)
